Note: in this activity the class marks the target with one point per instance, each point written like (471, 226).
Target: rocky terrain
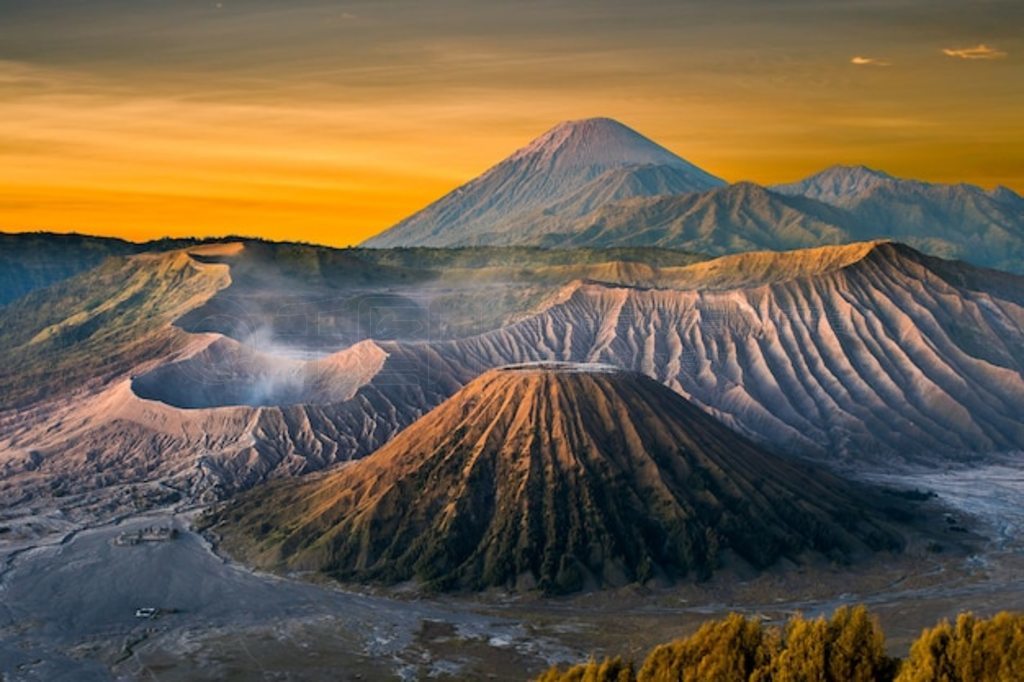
(166, 381)
(217, 366)
(558, 477)
(864, 356)
(890, 340)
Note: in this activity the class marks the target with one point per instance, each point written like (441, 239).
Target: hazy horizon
(328, 122)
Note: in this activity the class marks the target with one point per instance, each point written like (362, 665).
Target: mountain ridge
(839, 183)
(862, 356)
(556, 476)
(531, 198)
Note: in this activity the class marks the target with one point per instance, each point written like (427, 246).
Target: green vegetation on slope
(35, 260)
(848, 647)
(98, 324)
(522, 256)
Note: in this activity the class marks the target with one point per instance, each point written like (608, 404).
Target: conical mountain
(559, 477)
(549, 170)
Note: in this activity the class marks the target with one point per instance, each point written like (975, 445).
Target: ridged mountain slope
(558, 477)
(869, 355)
(864, 351)
(597, 157)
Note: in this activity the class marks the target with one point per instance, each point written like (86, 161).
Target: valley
(67, 603)
(576, 407)
(68, 508)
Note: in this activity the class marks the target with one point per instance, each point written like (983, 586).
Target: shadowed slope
(559, 477)
(33, 261)
(739, 217)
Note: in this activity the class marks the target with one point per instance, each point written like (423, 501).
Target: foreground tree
(974, 650)
(608, 670)
(848, 647)
(735, 648)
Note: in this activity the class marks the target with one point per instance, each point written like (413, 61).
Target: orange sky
(330, 121)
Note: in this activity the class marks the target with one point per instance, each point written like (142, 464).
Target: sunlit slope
(125, 373)
(572, 168)
(100, 324)
(862, 350)
(868, 355)
(558, 477)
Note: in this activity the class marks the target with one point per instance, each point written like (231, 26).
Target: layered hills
(869, 355)
(215, 367)
(596, 183)
(558, 477)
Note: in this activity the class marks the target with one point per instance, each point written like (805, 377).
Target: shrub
(609, 670)
(974, 650)
(848, 647)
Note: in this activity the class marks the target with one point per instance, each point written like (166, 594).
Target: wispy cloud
(981, 51)
(882, 122)
(869, 61)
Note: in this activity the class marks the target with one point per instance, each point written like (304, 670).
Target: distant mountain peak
(1006, 195)
(837, 183)
(855, 170)
(599, 142)
(547, 172)
(850, 174)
